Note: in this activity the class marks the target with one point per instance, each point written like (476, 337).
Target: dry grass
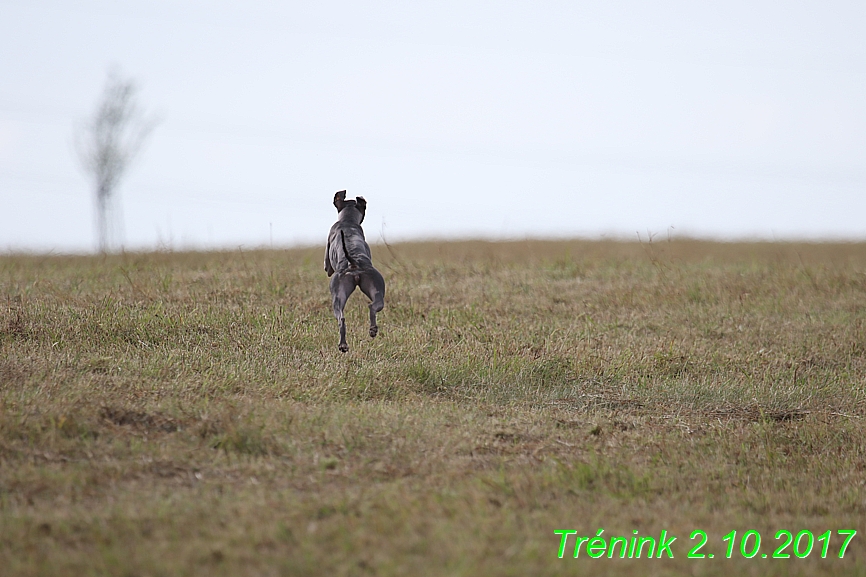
(186, 414)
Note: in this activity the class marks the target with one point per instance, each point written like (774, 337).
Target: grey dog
(349, 264)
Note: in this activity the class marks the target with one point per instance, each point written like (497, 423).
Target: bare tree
(106, 144)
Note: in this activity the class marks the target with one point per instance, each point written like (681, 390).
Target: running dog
(349, 264)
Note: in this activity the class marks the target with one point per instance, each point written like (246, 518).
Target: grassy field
(190, 414)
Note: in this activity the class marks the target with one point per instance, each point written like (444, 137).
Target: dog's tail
(346, 250)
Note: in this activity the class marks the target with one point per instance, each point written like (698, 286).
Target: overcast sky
(454, 119)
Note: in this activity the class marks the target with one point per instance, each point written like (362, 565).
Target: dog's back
(347, 247)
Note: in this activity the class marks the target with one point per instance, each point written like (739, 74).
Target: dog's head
(359, 204)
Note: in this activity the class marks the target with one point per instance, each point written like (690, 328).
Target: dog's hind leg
(341, 287)
(373, 285)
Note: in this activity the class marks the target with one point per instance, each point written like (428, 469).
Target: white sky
(454, 119)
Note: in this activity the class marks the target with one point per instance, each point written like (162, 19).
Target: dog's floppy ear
(361, 204)
(340, 200)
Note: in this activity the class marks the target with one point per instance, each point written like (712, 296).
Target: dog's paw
(344, 348)
(374, 330)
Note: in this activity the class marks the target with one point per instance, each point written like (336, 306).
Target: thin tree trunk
(102, 219)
